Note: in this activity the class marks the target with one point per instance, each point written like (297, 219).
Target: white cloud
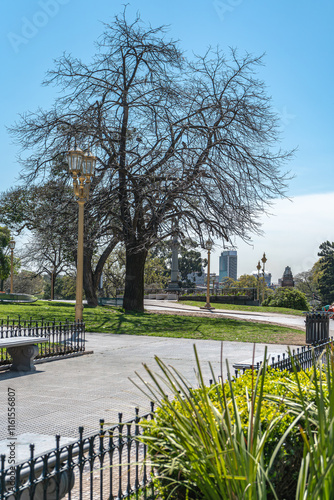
(292, 236)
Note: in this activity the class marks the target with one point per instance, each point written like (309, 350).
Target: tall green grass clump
(203, 445)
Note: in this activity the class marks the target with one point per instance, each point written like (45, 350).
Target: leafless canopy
(172, 136)
(196, 139)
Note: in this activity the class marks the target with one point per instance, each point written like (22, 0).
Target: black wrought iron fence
(317, 326)
(110, 464)
(302, 357)
(64, 337)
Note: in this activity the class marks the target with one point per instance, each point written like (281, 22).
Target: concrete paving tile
(65, 394)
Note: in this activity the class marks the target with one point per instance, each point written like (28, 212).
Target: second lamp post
(11, 246)
(258, 267)
(82, 167)
(264, 260)
(208, 246)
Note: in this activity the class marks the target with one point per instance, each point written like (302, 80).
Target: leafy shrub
(223, 441)
(285, 474)
(290, 298)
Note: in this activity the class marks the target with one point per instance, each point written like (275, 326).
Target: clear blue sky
(297, 38)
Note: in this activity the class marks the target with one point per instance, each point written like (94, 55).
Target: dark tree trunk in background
(91, 277)
(134, 280)
(53, 279)
(90, 280)
(89, 285)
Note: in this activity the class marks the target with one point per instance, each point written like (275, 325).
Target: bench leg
(23, 357)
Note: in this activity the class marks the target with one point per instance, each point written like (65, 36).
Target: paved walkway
(280, 319)
(66, 393)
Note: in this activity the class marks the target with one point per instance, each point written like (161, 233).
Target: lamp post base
(208, 307)
(78, 312)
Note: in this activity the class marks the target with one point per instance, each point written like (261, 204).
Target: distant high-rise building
(228, 262)
(267, 277)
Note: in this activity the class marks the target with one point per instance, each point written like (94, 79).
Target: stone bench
(248, 364)
(23, 350)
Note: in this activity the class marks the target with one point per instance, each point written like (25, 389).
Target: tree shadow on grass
(151, 324)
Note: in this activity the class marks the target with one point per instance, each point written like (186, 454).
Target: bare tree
(50, 215)
(196, 139)
(26, 282)
(46, 256)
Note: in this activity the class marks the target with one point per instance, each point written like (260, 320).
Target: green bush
(284, 475)
(261, 436)
(290, 298)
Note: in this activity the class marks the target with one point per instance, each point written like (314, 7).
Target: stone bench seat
(23, 350)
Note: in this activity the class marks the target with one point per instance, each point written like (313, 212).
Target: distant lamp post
(82, 167)
(173, 285)
(258, 267)
(264, 260)
(11, 246)
(208, 247)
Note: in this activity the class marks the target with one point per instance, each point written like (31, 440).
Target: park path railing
(64, 337)
(301, 357)
(110, 464)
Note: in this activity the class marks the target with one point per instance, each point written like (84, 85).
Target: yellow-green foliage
(277, 383)
(279, 387)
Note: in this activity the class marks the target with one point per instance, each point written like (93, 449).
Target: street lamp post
(82, 166)
(258, 267)
(11, 246)
(173, 285)
(264, 260)
(208, 246)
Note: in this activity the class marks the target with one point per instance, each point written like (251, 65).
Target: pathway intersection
(67, 393)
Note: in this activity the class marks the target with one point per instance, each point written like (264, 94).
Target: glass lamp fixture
(208, 245)
(88, 163)
(74, 159)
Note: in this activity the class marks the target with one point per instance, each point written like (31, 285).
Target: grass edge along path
(235, 307)
(192, 326)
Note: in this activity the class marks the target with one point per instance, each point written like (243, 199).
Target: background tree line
(317, 284)
(41, 257)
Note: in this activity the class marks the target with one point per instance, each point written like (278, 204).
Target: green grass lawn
(114, 320)
(233, 307)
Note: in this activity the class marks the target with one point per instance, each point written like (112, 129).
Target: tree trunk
(89, 284)
(53, 284)
(91, 278)
(134, 280)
